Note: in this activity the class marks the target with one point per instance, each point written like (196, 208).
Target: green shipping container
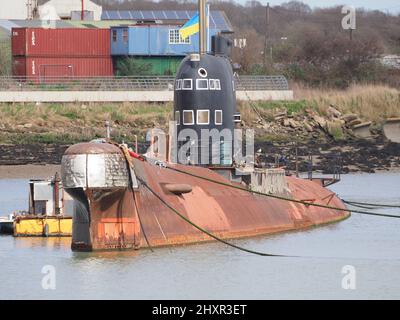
(134, 66)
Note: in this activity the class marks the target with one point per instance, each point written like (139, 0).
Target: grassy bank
(70, 123)
(371, 103)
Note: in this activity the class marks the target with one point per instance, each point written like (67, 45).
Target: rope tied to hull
(363, 205)
(128, 157)
(204, 230)
(305, 203)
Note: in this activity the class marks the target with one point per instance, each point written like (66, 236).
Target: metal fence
(143, 83)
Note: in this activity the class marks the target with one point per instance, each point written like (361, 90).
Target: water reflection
(51, 243)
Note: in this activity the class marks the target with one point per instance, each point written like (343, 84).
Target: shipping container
(43, 69)
(65, 42)
(153, 40)
(133, 66)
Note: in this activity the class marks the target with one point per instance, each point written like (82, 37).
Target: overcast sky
(384, 5)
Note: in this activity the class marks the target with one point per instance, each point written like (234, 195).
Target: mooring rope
(204, 230)
(211, 235)
(307, 204)
(141, 223)
(129, 162)
(370, 205)
(226, 242)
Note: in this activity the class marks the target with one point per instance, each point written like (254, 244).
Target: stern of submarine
(97, 176)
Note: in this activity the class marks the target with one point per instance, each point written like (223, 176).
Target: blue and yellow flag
(193, 26)
(190, 27)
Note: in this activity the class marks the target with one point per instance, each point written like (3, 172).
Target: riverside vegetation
(319, 120)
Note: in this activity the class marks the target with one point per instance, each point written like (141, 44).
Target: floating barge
(42, 226)
(49, 215)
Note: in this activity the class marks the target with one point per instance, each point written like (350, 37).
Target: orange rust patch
(204, 210)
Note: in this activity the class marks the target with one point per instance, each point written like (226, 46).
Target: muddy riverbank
(42, 160)
(29, 171)
(352, 156)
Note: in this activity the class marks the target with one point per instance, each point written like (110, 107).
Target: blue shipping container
(153, 40)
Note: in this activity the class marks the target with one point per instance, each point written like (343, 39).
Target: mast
(202, 27)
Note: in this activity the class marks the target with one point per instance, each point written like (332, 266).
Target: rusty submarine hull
(115, 208)
(126, 201)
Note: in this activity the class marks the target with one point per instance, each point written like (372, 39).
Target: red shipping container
(66, 42)
(42, 69)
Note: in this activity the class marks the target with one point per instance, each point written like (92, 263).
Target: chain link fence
(142, 83)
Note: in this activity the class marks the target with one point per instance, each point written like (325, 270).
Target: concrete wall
(122, 96)
(259, 95)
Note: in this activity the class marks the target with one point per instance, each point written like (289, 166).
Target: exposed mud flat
(28, 154)
(37, 161)
(41, 161)
(337, 157)
(29, 171)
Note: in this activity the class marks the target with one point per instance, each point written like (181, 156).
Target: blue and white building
(156, 33)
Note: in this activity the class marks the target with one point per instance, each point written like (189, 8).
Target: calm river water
(370, 245)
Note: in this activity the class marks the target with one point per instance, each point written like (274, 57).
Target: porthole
(202, 72)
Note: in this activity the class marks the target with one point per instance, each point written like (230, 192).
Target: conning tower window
(218, 117)
(178, 117)
(215, 84)
(187, 84)
(201, 84)
(178, 84)
(188, 117)
(203, 117)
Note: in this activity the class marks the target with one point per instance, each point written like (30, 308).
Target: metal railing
(140, 83)
(256, 83)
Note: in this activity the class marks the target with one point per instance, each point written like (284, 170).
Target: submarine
(190, 179)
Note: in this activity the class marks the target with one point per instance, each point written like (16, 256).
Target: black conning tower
(205, 99)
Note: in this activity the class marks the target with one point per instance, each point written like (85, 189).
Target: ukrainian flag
(193, 25)
(190, 27)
